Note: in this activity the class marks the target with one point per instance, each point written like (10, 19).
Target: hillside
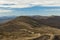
(53, 21)
(27, 28)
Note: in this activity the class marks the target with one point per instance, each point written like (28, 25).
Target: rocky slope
(27, 28)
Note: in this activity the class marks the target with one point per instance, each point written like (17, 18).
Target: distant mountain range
(30, 28)
(4, 19)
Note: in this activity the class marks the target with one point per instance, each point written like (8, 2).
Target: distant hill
(49, 20)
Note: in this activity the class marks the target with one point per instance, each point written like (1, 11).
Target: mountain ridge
(26, 28)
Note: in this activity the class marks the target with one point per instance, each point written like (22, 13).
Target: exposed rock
(43, 37)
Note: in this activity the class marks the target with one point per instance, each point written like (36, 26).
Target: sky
(29, 7)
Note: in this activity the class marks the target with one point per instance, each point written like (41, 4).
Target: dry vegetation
(27, 28)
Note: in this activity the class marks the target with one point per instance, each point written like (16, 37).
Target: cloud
(5, 11)
(29, 3)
